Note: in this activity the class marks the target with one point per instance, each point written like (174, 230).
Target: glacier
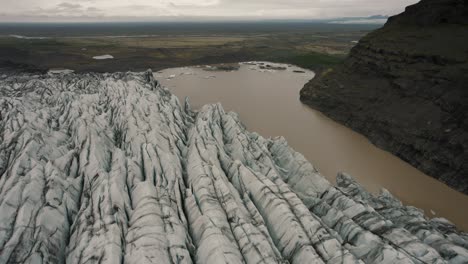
(112, 168)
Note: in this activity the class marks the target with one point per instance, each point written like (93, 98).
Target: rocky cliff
(405, 86)
(111, 169)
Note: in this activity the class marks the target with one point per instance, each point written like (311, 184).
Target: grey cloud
(66, 5)
(160, 9)
(93, 9)
(66, 9)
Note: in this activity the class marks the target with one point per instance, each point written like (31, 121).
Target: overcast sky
(108, 10)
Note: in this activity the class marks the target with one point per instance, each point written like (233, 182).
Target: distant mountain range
(374, 19)
(377, 19)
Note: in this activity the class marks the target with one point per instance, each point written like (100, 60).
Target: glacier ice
(111, 168)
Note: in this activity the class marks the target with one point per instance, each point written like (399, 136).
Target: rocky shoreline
(404, 87)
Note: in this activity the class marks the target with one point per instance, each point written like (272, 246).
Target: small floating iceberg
(26, 37)
(103, 57)
(60, 71)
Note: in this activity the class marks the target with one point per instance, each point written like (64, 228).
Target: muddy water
(268, 103)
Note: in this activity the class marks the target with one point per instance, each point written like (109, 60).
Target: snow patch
(103, 57)
(26, 37)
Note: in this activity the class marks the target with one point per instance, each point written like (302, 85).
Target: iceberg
(103, 57)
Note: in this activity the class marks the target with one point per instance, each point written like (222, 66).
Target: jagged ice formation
(109, 168)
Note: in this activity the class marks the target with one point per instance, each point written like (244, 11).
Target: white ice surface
(103, 57)
(111, 168)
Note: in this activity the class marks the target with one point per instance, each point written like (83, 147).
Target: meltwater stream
(268, 103)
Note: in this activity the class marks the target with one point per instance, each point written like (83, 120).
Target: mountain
(110, 168)
(376, 19)
(405, 87)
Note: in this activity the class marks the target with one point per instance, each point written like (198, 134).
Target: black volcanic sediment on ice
(110, 168)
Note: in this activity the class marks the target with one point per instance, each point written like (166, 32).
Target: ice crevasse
(112, 168)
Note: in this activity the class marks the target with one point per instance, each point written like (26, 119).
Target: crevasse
(110, 168)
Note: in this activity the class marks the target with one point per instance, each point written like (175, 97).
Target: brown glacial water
(267, 102)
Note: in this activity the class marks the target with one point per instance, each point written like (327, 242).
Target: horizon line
(180, 19)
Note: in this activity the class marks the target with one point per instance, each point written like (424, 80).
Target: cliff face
(405, 86)
(111, 169)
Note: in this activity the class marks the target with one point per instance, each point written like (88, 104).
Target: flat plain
(137, 47)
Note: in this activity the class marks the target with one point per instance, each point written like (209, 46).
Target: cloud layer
(25, 10)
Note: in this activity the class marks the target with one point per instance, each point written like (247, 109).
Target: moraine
(110, 168)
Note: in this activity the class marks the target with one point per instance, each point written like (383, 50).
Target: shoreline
(246, 63)
(374, 180)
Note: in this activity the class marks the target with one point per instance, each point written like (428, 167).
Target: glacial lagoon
(267, 101)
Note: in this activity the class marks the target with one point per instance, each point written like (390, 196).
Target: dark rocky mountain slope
(405, 86)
